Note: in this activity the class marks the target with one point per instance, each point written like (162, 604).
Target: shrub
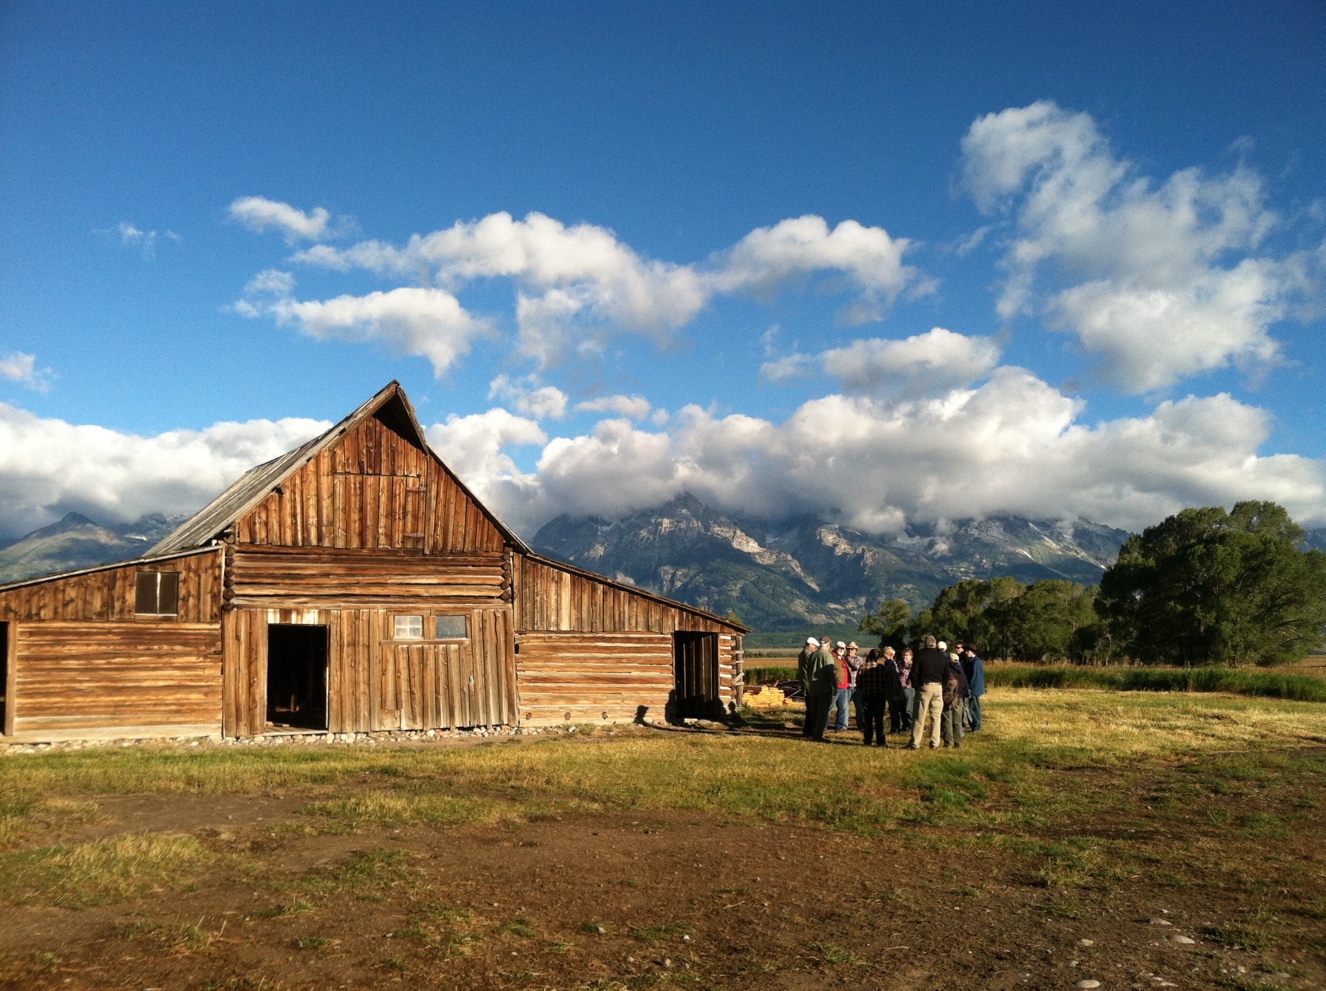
(1302, 688)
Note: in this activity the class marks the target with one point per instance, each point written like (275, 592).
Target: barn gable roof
(390, 404)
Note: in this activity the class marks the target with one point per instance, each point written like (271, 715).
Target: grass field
(567, 861)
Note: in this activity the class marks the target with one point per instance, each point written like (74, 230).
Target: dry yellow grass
(106, 870)
(1314, 667)
(1107, 723)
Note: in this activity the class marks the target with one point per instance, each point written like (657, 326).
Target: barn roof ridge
(246, 492)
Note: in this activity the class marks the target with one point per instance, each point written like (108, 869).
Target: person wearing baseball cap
(823, 681)
(803, 676)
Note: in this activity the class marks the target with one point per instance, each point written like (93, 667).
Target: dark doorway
(695, 666)
(297, 676)
(4, 677)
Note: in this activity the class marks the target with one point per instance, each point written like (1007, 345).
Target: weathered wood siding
(7, 724)
(591, 650)
(77, 679)
(580, 677)
(315, 577)
(108, 593)
(375, 682)
(372, 489)
(550, 598)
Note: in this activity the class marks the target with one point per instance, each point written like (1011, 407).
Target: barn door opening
(4, 677)
(695, 668)
(297, 675)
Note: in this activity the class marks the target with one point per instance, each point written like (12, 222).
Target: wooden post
(738, 669)
(11, 679)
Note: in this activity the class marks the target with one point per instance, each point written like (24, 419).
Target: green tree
(889, 622)
(956, 613)
(1206, 586)
(1051, 620)
(988, 629)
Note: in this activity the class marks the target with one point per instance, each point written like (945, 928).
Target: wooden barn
(351, 585)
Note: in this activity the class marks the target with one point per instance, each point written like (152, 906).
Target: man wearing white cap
(803, 675)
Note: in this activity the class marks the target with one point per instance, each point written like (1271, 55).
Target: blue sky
(881, 263)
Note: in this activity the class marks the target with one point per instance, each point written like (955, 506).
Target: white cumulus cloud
(935, 361)
(408, 320)
(1161, 280)
(632, 407)
(539, 401)
(1013, 444)
(768, 257)
(475, 448)
(259, 214)
(576, 285)
(21, 367)
(49, 467)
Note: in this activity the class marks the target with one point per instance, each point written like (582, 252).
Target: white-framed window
(408, 628)
(451, 627)
(157, 593)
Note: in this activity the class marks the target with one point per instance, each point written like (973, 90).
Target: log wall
(576, 677)
(108, 593)
(372, 489)
(319, 577)
(591, 650)
(83, 679)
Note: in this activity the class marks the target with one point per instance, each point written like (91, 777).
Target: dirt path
(612, 901)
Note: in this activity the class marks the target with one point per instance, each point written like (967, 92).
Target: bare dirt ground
(638, 899)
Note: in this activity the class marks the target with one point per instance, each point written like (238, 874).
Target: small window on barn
(452, 628)
(157, 593)
(409, 627)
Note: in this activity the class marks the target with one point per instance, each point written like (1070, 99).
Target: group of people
(936, 684)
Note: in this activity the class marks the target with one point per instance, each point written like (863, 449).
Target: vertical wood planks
(373, 488)
(11, 675)
(107, 594)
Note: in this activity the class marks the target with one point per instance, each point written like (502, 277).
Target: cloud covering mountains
(1153, 282)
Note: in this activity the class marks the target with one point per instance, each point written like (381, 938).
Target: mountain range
(783, 575)
(776, 575)
(77, 542)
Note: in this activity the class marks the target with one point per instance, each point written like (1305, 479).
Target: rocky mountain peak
(785, 574)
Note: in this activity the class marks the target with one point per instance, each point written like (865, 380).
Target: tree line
(1204, 587)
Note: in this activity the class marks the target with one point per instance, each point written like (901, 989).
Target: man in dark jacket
(975, 671)
(872, 694)
(899, 706)
(929, 670)
(803, 676)
(823, 685)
